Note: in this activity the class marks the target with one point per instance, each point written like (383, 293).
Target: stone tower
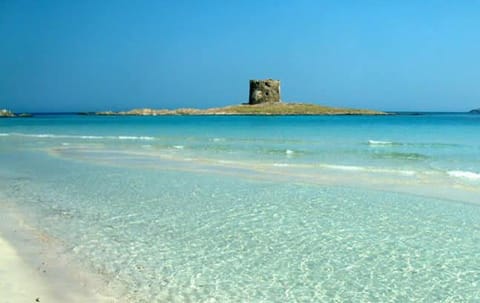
(264, 91)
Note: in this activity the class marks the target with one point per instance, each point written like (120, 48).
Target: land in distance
(279, 109)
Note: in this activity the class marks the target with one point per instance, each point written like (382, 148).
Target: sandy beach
(19, 282)
(32, 269)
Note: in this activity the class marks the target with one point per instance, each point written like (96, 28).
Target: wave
(54, 136)
(380, 143)
(178, 146)
(4, 135)
(464, 174)
(85, 137)
(135, 138)
(344, 167)
(289, 152)
(367, 169)
(41, 136)
(90, 137)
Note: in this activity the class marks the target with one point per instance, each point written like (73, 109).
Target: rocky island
(278, 109)
(8, 114)
(475, 111)
(264, 99)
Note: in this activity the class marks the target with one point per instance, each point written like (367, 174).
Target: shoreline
(34, 267)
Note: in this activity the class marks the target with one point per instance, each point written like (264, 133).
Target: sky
(117, 55)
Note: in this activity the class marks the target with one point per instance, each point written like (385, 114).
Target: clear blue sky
(100, 55)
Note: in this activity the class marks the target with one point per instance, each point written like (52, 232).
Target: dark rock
(264, 91)
(475, 111)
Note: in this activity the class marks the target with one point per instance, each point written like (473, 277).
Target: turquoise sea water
(256, 209)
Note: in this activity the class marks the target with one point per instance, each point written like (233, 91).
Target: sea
(256, 208)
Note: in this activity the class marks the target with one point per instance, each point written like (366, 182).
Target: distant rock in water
(475, 111)
(6, 114)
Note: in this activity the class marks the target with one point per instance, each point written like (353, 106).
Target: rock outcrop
(475, 111)
(264, 91)
(6, 114)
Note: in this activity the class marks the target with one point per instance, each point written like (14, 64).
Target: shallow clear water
(257, 209)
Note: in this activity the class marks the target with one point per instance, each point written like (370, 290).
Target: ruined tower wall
(264, 91)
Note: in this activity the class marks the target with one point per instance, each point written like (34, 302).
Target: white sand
(19, 282)
(32, 269)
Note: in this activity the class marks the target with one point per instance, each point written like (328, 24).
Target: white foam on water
(4, 135)
(42, 136)
(55, 136)
(407, 172)
(464, 175)
(88, 137)
(392, 171)
(289, 152)
(380, 143)
(85, 137)
(146, 138)
(370, 169)
(178, 146)
(38, 135)
(218, 139)
(280, 164)
(135, 138)
(345, 167)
